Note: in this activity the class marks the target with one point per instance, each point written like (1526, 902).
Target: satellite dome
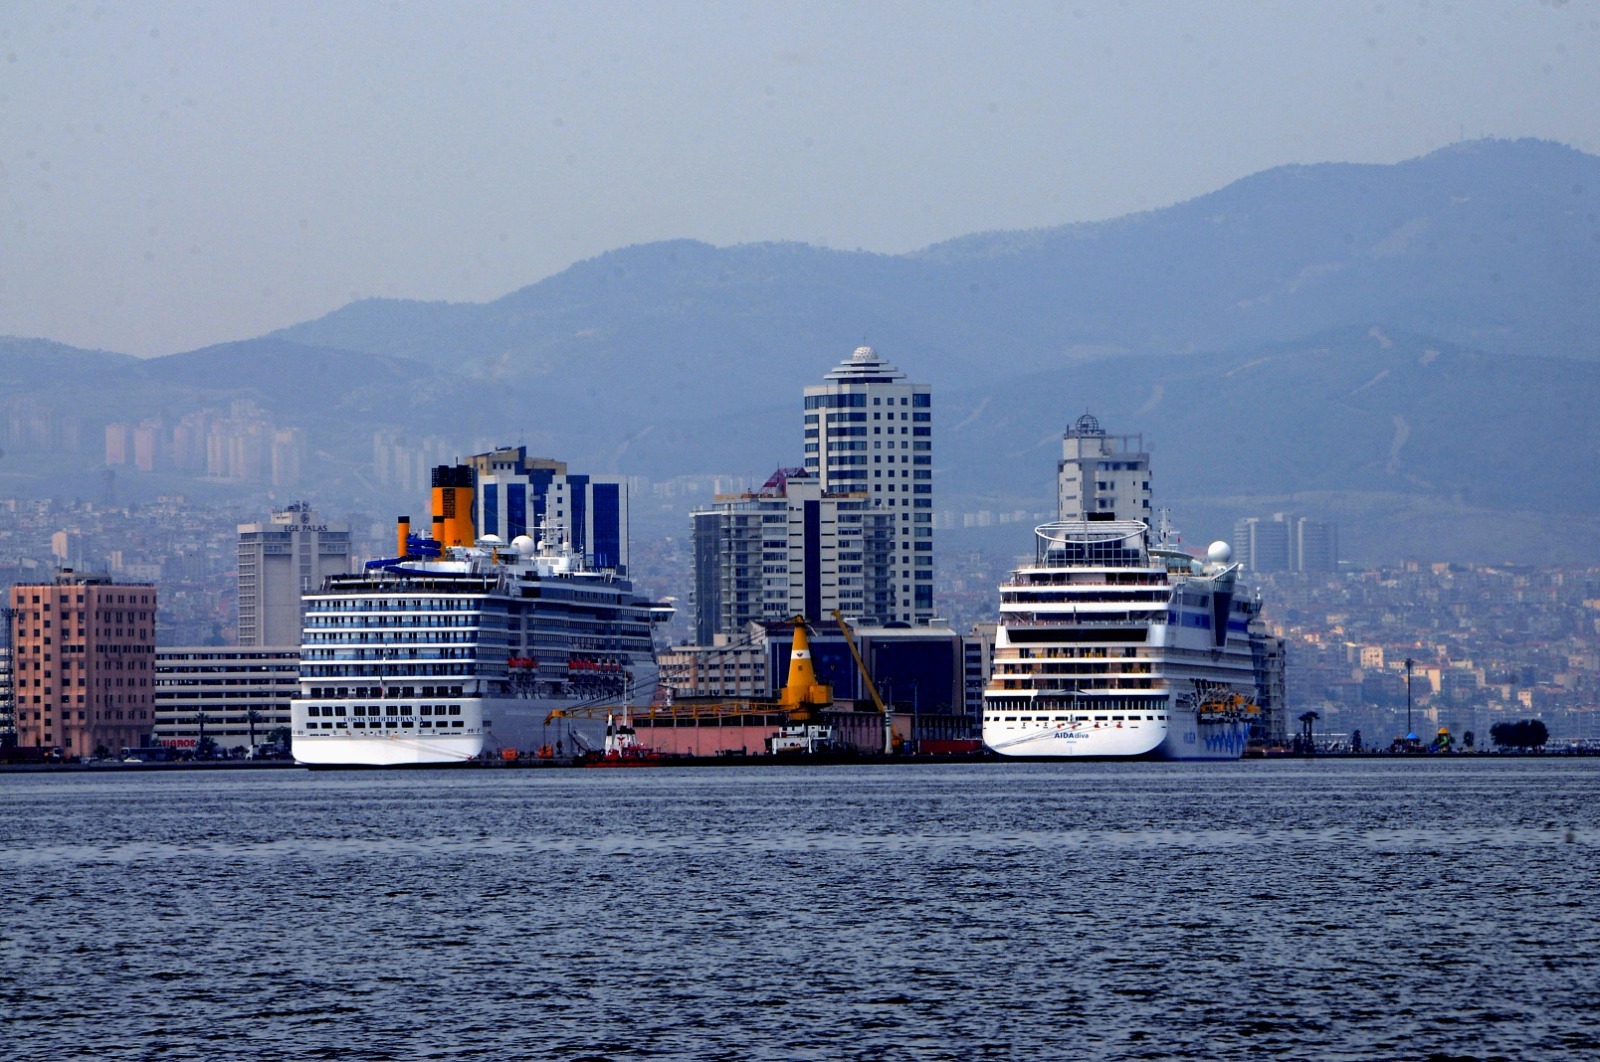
(523, 545)
(864, 353)
(1219, 553)
(492, 539)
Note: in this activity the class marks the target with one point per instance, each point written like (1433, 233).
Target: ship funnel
(802, 694)
(452, 505)
(403, 537)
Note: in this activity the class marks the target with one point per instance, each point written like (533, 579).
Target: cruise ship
(463, 645)
(1114, 645)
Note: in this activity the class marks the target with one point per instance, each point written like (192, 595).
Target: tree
(1526, 734)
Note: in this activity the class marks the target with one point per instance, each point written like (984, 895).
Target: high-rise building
(1263, 544)
(522, 495)
(869, 431)
(82, 654)
(1316, 545)
(1286, 543)
(788, 549)
(1102, 474)
(278, 562)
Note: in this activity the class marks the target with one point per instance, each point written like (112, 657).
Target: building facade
(788, 549)
(729, 668)
(83, 655)
(977, 664)
(225, 693)
(1285, 542)
(522, 495)
(278, 562)
(869, 431)
(8, 706)
(1102, 474)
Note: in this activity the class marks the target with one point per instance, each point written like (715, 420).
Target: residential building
(83, 650)
(278, 562)
(1102, 474)
(788, 549)
(521, 495)
(869, 431)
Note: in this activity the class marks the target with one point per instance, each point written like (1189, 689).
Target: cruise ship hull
(387, 750)
(1175, 739)
(489, 726)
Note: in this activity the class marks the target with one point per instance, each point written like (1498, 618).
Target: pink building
(83, 662)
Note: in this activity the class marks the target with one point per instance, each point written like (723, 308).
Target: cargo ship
(1114, 646)
(463, 644)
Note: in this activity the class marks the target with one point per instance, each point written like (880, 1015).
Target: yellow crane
(800, 703)
(872, 688)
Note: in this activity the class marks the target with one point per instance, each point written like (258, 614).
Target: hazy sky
(178, 174)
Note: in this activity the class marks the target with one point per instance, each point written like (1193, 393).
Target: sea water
(1322, 909)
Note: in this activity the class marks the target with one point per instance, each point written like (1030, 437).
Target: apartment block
(83, 653)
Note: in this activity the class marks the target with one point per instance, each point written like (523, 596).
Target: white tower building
(1100, 473)
(868, 430)
(278, 562)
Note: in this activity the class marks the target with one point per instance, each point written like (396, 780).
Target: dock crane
(799, 705)
(872, 688)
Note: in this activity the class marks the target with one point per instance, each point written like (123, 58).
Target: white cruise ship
(447, 651)
(1111, 646)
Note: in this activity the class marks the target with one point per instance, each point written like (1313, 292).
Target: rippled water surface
(1359, 909)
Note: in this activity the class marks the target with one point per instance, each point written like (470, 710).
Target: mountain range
(1359, 341)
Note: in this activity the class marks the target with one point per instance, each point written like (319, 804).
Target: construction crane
(872, 688)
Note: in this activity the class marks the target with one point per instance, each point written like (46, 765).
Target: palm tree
(252, 717)
(203, 745)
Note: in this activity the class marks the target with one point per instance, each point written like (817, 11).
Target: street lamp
(1409, 731)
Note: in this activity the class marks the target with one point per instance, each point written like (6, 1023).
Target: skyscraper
(279, 561)
(869, 431)
(1100, 473)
